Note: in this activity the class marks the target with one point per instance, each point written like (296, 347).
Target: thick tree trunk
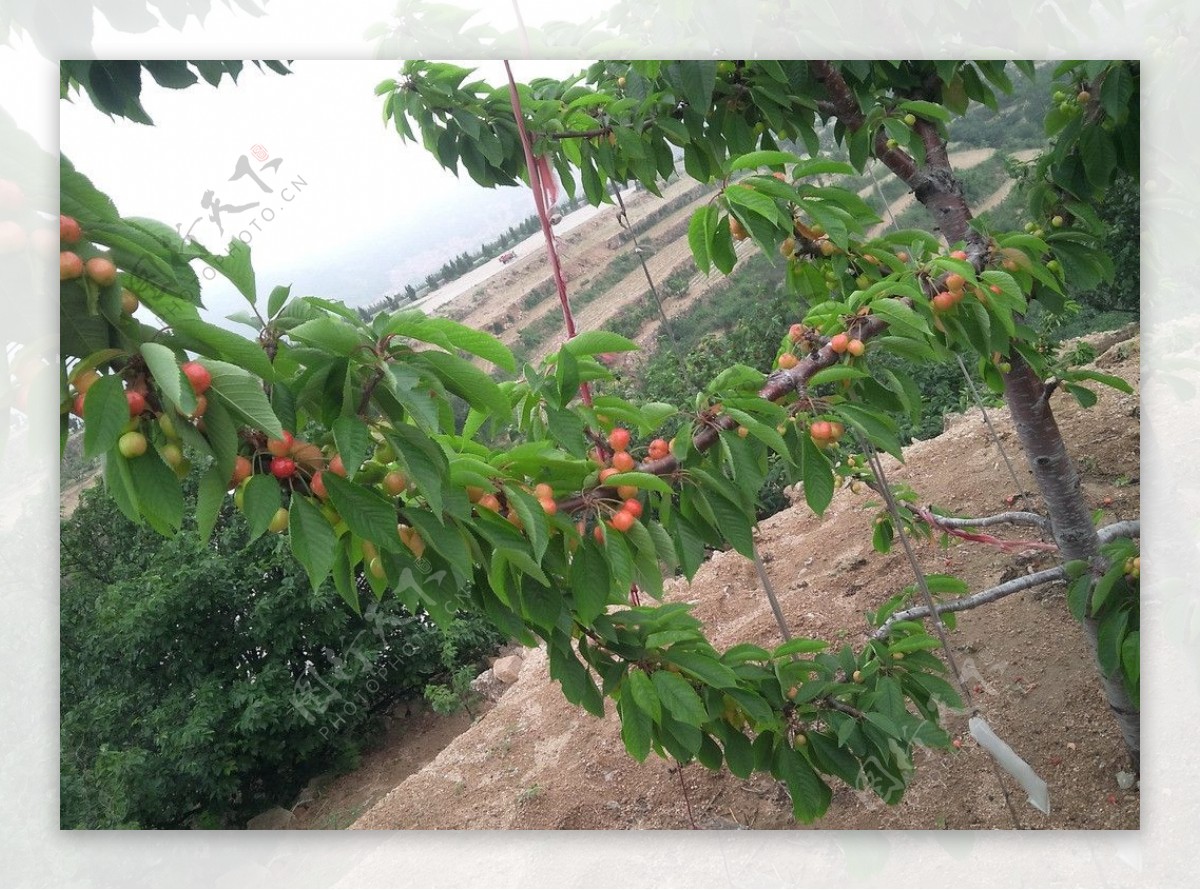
(937, 188)
(1070, 518)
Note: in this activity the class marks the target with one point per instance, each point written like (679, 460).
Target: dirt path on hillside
(535, 761)
(497, 305)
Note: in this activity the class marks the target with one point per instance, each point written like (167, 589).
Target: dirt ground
(536, 762)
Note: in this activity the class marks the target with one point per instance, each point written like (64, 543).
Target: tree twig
(1025, 582)
(1012, 517)
(1130, 528)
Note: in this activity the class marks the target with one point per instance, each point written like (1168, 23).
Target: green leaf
(243, 395)
(597, 342)
(261, 500)
(1077, 597)
(877, 427)
(732, 521)
(1084, 396)
(334, 336)
(750, 201)
(235, 266)
(1116, 91)
(738, 753)
(635, 730)
(220, 436)
(800, 646)
(810, 795)
(218, 343)
(836, 373)
(107, 412)
(470, 340)
(277, 299)
(158, 492)
(445, 539)
(168, 376)
(697, 236)
(704, 668)
(898, 314)
(80, 199)
(929, 110)
(368, 514)
(642, 691)
(352, 439)
(645, 481)
(210, 495)
(468, 382)
(915, 643)
(577, 683)
(590, 582)
(423, 460)
(720, 247)
(1099, 155)
(312, 539)
(821, 166)
(689, 544)
(817, 475)
(1131, 656)
(757, 159)
(744, 652)
(678, 698)
(697, 78)
(532, 517)
(1108, 641)
(1107, 379)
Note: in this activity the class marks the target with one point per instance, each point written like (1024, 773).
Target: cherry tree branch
(939, 522)
(933, 184)
(1126, 529)
(1130, 528)
(780, 384)
(1013, 517)
(1025, 582)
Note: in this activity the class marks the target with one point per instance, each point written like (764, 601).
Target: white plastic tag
(1035, 787)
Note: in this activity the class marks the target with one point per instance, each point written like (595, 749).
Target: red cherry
(137, 402)
(317, 485)
(242, 469)
(633, 506)
(283, 467)
(623, 521)
(69, 265)
(943, 301)
(619, 439)
(197, 375)
(280, 447)
(68, 229)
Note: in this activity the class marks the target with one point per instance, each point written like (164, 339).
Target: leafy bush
(210, 681)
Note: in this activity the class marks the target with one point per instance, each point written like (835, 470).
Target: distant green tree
(210, 681)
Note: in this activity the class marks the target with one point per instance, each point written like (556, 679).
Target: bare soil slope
(536, 762)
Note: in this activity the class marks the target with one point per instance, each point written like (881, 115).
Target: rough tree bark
(937, 188)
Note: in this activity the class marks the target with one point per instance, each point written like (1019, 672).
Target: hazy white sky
(352, 208)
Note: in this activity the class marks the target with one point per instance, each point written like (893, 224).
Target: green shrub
(208, 681)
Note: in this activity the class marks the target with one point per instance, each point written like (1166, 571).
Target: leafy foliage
(207, 681)
(115, 87)
(390, 455)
